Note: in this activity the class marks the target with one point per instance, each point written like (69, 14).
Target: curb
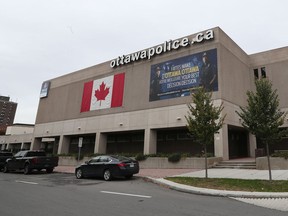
(213, 192)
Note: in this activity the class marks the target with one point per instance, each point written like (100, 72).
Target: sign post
(80, 146)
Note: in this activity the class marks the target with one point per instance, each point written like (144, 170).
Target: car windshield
(120, 158)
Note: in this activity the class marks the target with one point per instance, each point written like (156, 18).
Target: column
(221, 145)
(252, 145)
(36, 144)
(64, 144)
(100, 143)
(150, 141)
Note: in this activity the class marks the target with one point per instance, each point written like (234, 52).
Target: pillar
(150, 141)
(36, 144)
(252, 145)
(221, 145)
(64, 144)
(100, 143)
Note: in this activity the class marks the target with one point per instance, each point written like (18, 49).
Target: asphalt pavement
(271, 200)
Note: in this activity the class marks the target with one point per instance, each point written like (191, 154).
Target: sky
(44, 39)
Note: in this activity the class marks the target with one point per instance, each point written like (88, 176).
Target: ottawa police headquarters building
(137, 103)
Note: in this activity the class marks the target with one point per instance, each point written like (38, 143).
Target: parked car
(4, 155)
(108, 167)
(31, 160)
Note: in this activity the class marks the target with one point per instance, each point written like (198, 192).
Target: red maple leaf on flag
(102, 92)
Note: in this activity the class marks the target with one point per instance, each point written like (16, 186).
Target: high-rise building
(7, 113)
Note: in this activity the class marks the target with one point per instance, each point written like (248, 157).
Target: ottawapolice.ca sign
(167, 46)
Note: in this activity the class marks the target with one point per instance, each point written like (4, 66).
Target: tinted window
(120, 158)
(256, 75)
(20, 154)
(32, 154)
(263, 72)
(104, 159)
(95, 160)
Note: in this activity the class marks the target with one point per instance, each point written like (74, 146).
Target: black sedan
(108, 166)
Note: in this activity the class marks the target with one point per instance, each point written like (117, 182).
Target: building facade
(7, 113)
(137, 103)
(18, 137)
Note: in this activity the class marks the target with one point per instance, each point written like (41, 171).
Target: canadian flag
(103, 93)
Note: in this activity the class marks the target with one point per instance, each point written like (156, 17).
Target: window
(104, 159)
(256, 76)
(263, 72)
(123, 138)
(171, 136)
(184, 136)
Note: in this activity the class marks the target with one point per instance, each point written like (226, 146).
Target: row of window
(137, 137)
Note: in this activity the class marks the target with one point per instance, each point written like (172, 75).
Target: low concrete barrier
(184, 163)
(71, 161)
(277, 163)
(154, 162)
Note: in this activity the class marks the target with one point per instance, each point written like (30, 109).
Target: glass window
(160, 136)
(256, 75)
(171, 136)
(184, 136)
(263, 72)
(123, 138)
(104, 159)
(111, 138)
(138, 137)
(94, 160)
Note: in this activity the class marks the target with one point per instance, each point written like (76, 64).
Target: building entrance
(238, 142)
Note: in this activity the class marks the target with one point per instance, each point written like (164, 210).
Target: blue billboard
(178, 77)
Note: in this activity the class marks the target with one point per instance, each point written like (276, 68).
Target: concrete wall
(18, 130)
(64, 99)
(276, 64)
(154, 163)
(275, 162)
(184, 163)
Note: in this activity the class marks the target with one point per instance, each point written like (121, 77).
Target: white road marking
(125, 194)
(25, 182)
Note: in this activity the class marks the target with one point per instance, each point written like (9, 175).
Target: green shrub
(140, 157)
(175, 157)
(80, 158)
(283, 154)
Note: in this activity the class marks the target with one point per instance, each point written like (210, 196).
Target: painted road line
(125, 194)
(26, 182)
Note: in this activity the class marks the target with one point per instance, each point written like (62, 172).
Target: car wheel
(107, 175)
(5, 168)
(79, 174)
(27, 169)
(49, 170)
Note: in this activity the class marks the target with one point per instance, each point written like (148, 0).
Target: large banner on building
(103, 93)
(177, 77)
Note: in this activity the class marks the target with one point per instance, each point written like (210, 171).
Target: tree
(262, 116)
(204, 120)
